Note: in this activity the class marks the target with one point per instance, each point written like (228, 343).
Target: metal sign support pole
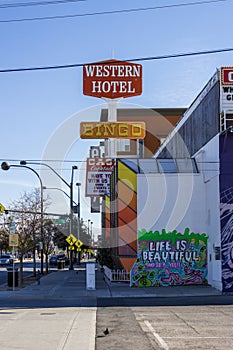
(13, 251)
(112, 117)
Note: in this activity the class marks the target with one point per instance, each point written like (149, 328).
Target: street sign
(2, 208)
(71, 239)
(61, 221)
(71, 247)
(117, 130)
(14, 240)
(112, 79)
(78, 243)
(12, 227)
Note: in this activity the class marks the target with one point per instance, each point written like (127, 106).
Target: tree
(29, 225)
(49, 229)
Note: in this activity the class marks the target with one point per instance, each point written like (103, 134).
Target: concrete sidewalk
(79, 319)
(72, 284)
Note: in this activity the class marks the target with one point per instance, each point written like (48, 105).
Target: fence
(116, 275)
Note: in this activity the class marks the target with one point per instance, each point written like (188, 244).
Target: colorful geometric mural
(170, 258)
(226, 210)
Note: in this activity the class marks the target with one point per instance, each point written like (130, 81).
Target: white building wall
(180, 201)
(171, 202)
(208, 163)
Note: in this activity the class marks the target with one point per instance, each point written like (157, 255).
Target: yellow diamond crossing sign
(78, 244)
(71, 239)
(2, 208)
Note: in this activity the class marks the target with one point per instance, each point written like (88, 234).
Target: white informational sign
(98, 174)
(12, 227)
(90, 276)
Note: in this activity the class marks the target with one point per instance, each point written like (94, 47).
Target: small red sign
(227, 75)
(112, 79)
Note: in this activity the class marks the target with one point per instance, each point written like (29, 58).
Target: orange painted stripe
(107, 223)
(127, 195)
(126, 213)
(107, 214)
(127, 263)
(127, 234)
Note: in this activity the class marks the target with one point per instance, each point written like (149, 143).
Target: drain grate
(47, 313)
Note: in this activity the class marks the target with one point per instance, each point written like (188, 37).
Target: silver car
(6, 259)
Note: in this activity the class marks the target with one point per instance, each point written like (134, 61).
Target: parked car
(53, 260)
(63, 257)
(6, 259)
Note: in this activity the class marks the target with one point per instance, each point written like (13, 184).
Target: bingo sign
(98, 172)
(112, 79)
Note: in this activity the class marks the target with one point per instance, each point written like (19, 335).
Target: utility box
(12, 277)
(90, 276)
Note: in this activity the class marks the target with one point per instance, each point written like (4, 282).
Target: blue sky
(35, 104)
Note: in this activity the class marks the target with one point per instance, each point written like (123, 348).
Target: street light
(91, 233)
(88, 229)
(7, 166)
(79, 206)
(74, 167)
(59, 189)
(78, 212)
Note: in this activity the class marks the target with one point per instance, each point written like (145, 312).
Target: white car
(6, 259)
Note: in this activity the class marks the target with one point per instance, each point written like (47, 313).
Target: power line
(151, 58)
(112, 12)
(37, 3)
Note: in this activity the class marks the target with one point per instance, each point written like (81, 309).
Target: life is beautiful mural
(170, 258)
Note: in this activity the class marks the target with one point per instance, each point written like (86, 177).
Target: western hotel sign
(112, 79)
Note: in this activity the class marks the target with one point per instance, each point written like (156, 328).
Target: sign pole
(13, 251)
(13, 242)
(112, 117)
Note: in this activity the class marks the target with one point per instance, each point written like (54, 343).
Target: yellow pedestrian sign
(71, 239)
(14, 240)
(2, 208)
(78, 244)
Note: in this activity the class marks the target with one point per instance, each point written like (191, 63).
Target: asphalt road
(167, 327)
(170, 323)
(27, 270)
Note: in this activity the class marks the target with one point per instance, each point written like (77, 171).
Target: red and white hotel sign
(112, 79)
(226, 75)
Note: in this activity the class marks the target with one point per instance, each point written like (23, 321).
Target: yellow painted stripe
(127, 176)
(107, 202)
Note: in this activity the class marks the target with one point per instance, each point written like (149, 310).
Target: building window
(123, 145)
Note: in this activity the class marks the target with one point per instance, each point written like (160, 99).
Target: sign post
(112, 80)
(13, 242)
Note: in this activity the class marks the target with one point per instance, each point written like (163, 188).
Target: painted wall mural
(226, 210)
(170, 258)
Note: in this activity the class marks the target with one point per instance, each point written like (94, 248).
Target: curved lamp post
(91, 234)
(74, 167)
(59, 189)
(7, 166)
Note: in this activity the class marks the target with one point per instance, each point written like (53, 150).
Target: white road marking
(159, 340)
(198, 337)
